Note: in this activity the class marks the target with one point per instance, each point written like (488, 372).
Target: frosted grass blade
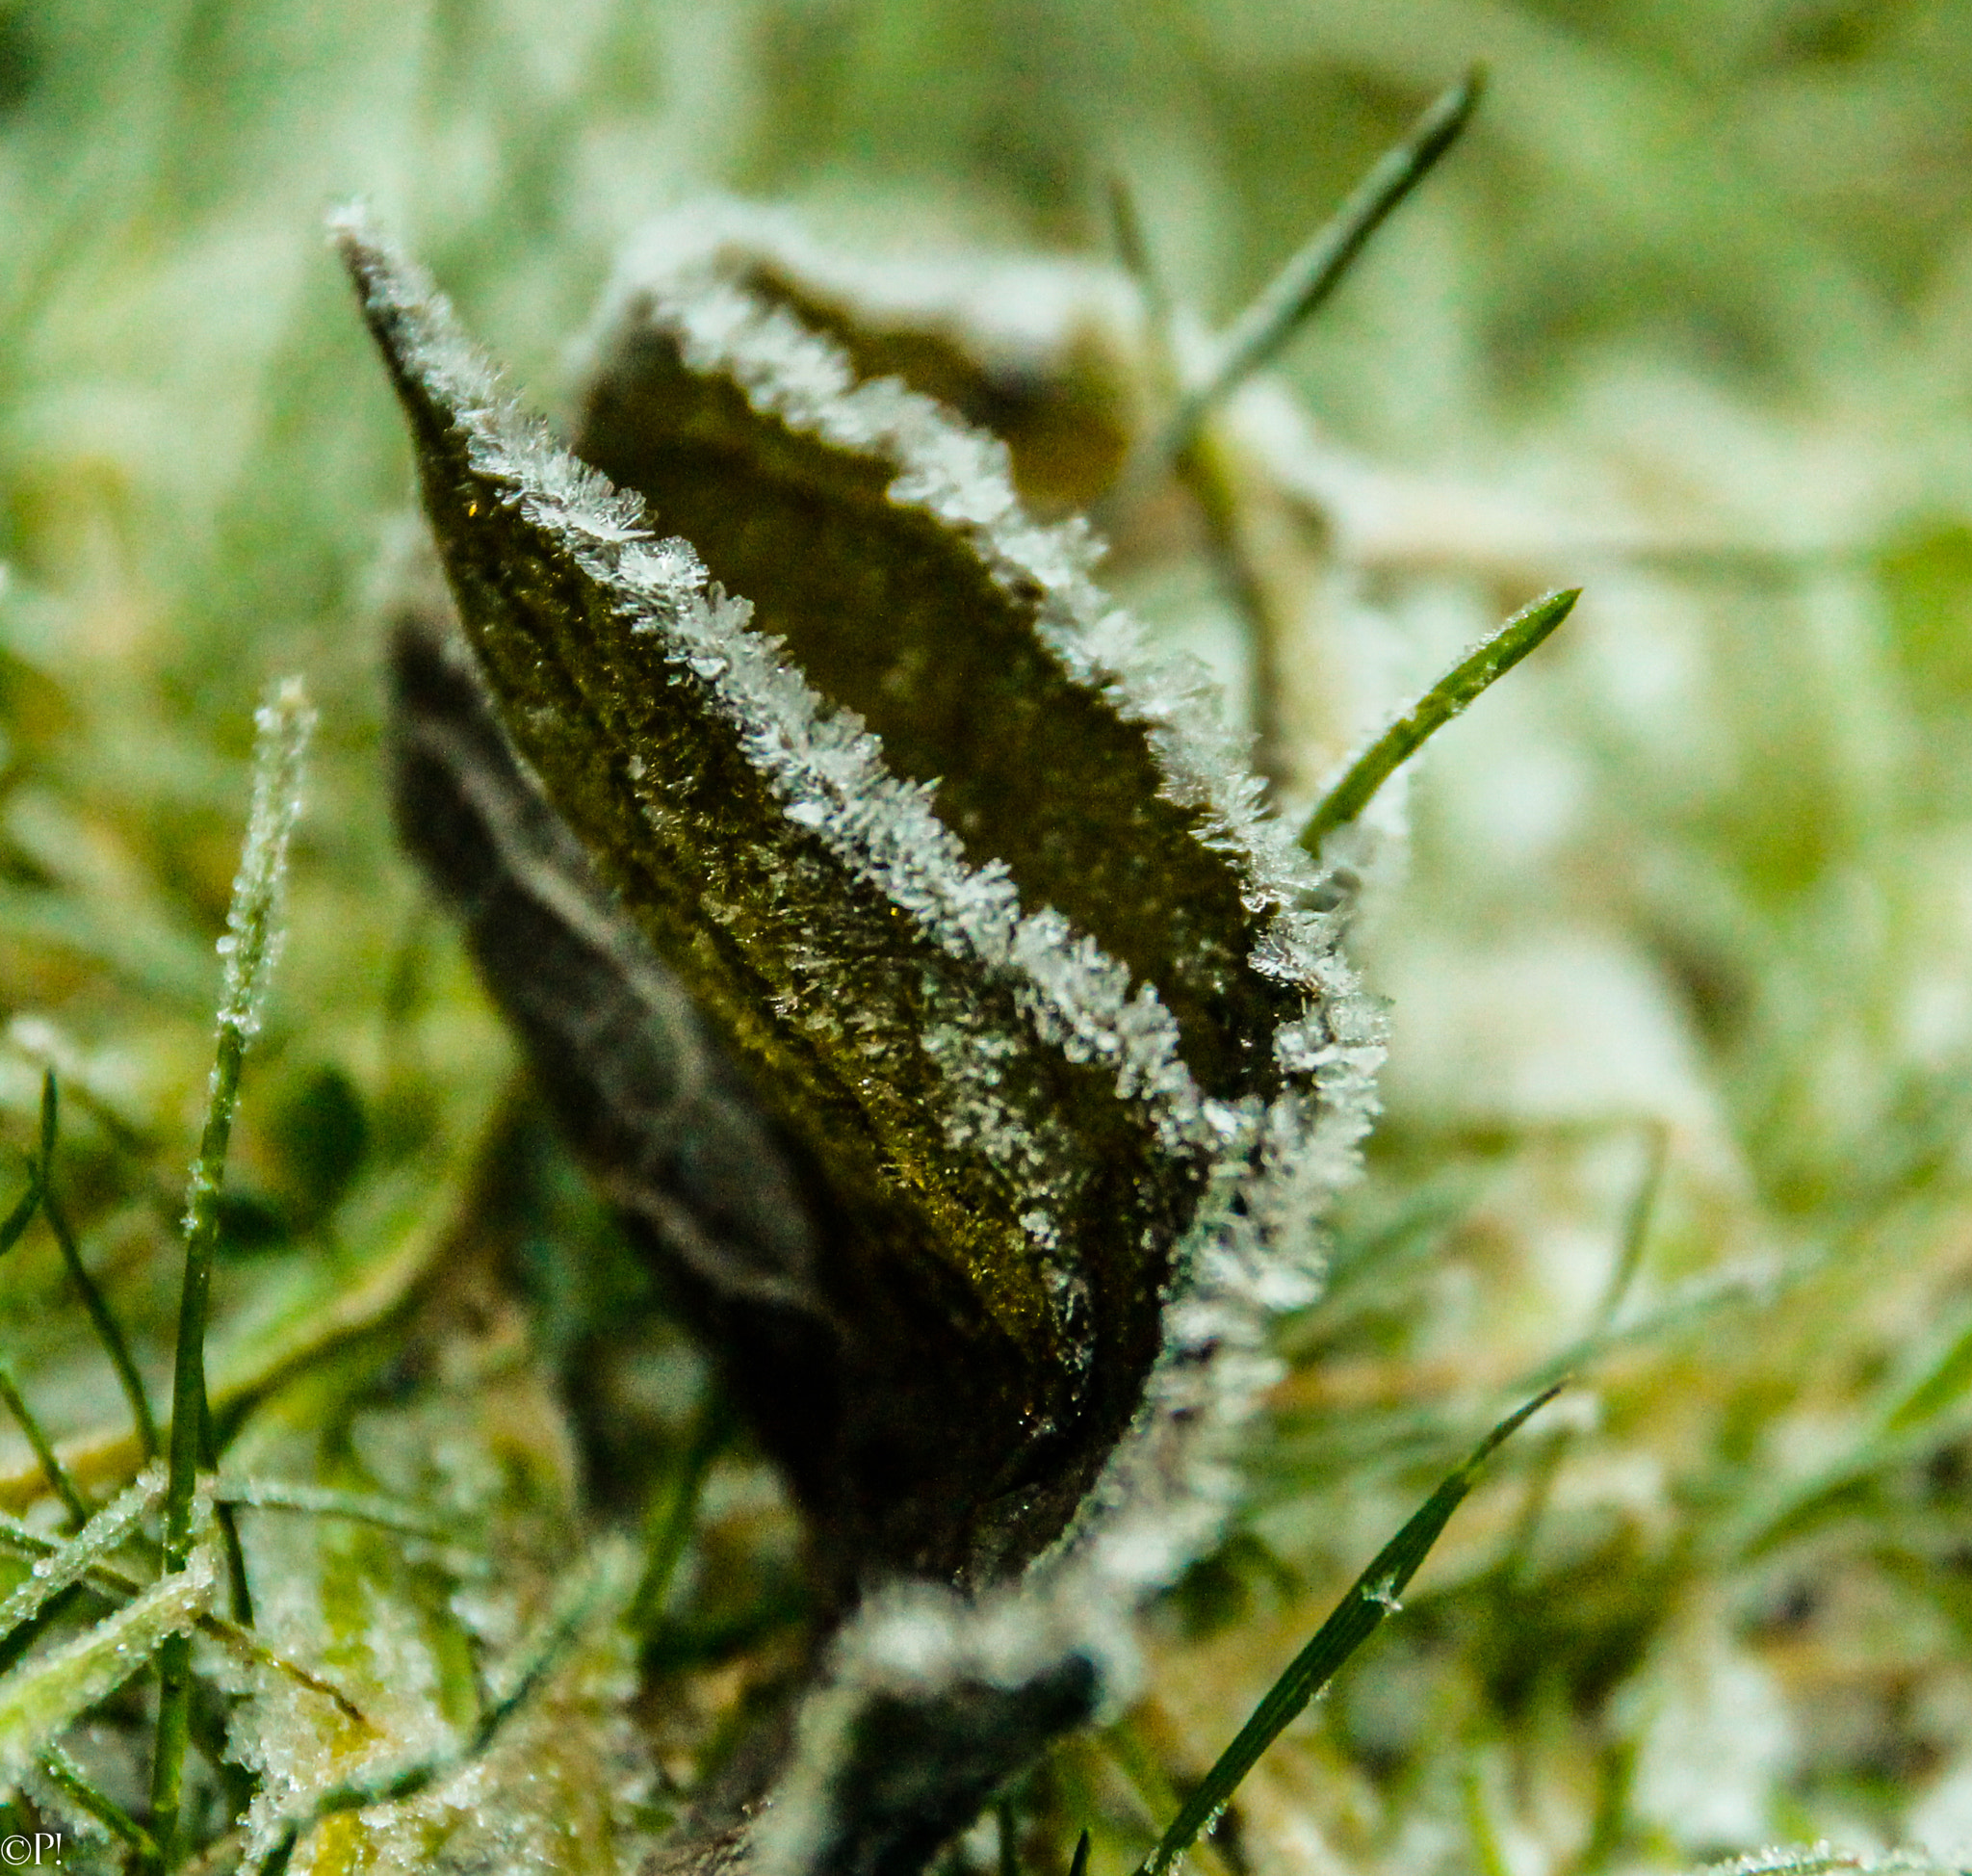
(252, 943)
(37, 1700)
(73, 1560)
(1464, 682)
(68, 1777)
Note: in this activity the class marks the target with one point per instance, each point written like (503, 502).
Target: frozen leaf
(995, 969)
(1039, 352)
(645, 1096)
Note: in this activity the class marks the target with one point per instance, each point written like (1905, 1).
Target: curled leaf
(912, 890)
(1039, 353)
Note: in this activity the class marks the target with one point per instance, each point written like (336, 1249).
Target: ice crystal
(91, 1546)
(252, 943)
(43, 1694)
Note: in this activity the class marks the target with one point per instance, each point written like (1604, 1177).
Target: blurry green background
(1687, 317)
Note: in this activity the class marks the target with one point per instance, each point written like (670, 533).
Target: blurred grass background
(1687, 319)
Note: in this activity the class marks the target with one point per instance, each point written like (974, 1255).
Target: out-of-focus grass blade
(52, 1469)
(670, 1529)
(68, 1777)
(58, 1567)
(324, 1501)
(1134, 250)
(1307, 280)
(102, 1318)
(1355, 1618)
(1445, 699)
(14, 1224)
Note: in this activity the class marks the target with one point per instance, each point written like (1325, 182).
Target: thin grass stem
(671, 1529)
(1204, 474)
(102, 1319)
(1133, 251)
(52, 1469)
(239, 1590)
(1636, 1226)
(1448, 697)
(1355, 1618)
(1629, 1256)
(326, 1501)
(14, 1227)
(1079, 1863)
(109, 1331)
(68, 1777)
(250, 944)
(1307, 281)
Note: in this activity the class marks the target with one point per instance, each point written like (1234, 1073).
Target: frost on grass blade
(41, 1696)
(1033, 1017)
(89, 1547)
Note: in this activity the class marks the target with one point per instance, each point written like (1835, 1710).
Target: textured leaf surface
(1041, 353)
(1022, 980)
(904, 950)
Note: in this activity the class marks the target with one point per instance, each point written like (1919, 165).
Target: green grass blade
(1637, 1220)
(1134, 250)
(1079, 1863)
(14, 1227)
(52, 1469)
(1307, 280)
(671, 1529)
(68, 1777)
(1355, 1618)
(252, 939)
(102, 1319)
(240, 1590)
(16, 1645)
(1200, 471)
(1447, 699)
(42, 1696)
